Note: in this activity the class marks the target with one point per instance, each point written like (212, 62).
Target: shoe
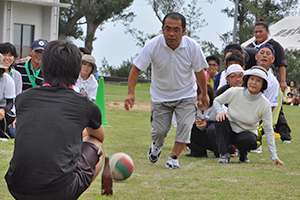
(225, 158)
(172, 163)
(244, 157)
(258, 150)
(236, 152)
(154, 153)
(287, 141)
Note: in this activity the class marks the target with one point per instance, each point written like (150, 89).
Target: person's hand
(2, 113)
(13, 124)
(129, 101)
(204, 99)
(202, 126)
(198, 122)
(221, 116)
(83, 92)
(282, 85)
(278, 161)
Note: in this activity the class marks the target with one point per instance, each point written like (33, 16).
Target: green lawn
(200, 178)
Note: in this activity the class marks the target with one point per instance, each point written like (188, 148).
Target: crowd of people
(234, 107)
(225, 112)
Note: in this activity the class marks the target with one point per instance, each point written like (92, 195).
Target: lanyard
(32, 78)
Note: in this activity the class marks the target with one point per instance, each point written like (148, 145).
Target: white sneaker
(172, 163)
(154, 153)
(258, 150)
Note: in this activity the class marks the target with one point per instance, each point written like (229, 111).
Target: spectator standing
(261, 33)
(177, 61)
(213, 65)
(31, 70)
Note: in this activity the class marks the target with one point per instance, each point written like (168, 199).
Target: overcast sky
(116, 46)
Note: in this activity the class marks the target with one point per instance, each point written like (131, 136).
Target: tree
(250, 10)
(95, 13)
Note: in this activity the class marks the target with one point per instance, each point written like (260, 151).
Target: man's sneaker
(258, 150)
(225, 158)
(244, 157)
(172, 163)
(154, 153)
(287, 141)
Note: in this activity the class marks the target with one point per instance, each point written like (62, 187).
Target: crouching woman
(246, 108)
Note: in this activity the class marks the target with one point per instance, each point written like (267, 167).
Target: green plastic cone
(100, 100)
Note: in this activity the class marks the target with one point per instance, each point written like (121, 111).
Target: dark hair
(61, 63)
(289, 83)
(8, 48)
(176, 16)
(213, 57)
(2, 71)
(210, 93)
(233, 46)
(85, 50)
(263, 88)
(235, 56)
(261, 22)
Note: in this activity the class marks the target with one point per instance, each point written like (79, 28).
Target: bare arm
(97, 133)
(200, 76)
(282, 72)
(132, 80)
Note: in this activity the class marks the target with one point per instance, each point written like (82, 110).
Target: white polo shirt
(7, 89)
(90, 85)
(271, 93)
(172, 75)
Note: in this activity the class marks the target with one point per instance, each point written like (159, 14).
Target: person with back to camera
(9, 53)
(203, 135)
(177, 61)
(261, 33)
(51, 160)
(246, 108)
(86, 81)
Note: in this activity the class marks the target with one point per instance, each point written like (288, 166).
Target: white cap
(257, 71)
(234, 68)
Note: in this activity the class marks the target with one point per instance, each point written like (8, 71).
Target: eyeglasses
(174, 30)
(233, 76)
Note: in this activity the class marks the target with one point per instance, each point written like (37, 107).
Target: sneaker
(244, 157)
(154, 153)
(258, 150)
(172, 163)
(287, 141)
(225, 158)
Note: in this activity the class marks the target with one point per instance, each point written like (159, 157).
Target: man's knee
(94, 141)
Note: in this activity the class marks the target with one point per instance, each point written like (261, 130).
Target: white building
(23, 21)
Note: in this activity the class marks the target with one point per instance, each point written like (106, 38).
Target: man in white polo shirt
(177, 62)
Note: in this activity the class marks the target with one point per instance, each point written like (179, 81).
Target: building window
(23, 38)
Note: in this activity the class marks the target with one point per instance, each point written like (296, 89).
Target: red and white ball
(121, 166)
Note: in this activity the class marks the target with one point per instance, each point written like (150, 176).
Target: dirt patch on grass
(120, 105)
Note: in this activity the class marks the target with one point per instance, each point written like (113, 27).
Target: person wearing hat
(265, 57)
(31, 69)
(247, 106)
(7, 96)
(86, 82)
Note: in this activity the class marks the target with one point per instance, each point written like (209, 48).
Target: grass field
(200, 178)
